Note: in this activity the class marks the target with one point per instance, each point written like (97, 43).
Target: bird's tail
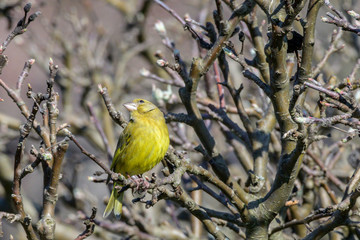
(115, 203)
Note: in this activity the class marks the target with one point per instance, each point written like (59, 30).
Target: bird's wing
(124, 140)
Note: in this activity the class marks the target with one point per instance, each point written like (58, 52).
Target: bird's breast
(148, 143)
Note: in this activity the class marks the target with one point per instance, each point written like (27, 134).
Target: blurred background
(109, 42)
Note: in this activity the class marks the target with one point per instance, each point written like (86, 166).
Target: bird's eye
(141, 101)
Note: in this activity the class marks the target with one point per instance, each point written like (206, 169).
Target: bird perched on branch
(141, 146)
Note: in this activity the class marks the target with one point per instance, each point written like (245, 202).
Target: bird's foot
(142, 183)
(146, 182)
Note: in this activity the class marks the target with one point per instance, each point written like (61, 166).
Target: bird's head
(142, 106)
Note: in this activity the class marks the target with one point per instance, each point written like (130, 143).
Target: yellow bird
(141, 146)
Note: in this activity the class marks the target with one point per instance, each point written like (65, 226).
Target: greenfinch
(141, 146)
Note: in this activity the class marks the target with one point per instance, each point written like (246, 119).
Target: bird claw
(141, 183)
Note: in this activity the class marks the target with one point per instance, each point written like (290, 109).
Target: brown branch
(25, 112)
(247, 72)
(125, 229)
(219, 197)
(115, 115)
(91, 156)
(251, 112)
(340, 20)
(304, 71)
(188, 93)
(90, 226)
(336, 36)
(174, 179)
(173, 82)
(9, 217)
(292, 149)
(52, 168)
(331, 176)
(339, 217)
(179, 19)
(25, 219)
(221, 116)
(53, 111)
(241, 151)
(20, 28)
(24, 74)
(233, 218)
(159, 191)
(30, 168)
(182, 198)
(334, 95)
(258, 42)
(325, 122)
(238, 195)
(315, 216)
(97, 124)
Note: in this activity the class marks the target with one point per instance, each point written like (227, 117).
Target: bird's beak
(131, 106)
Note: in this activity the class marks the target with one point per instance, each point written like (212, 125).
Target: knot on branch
(293, 135)
(90, 225)
(49, 196)
(16, 198)
(3, 61)
(27, 220)
(254, 182)
(28, 169)
(46, 227)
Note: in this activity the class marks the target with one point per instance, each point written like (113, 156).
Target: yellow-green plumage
(141, 146)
